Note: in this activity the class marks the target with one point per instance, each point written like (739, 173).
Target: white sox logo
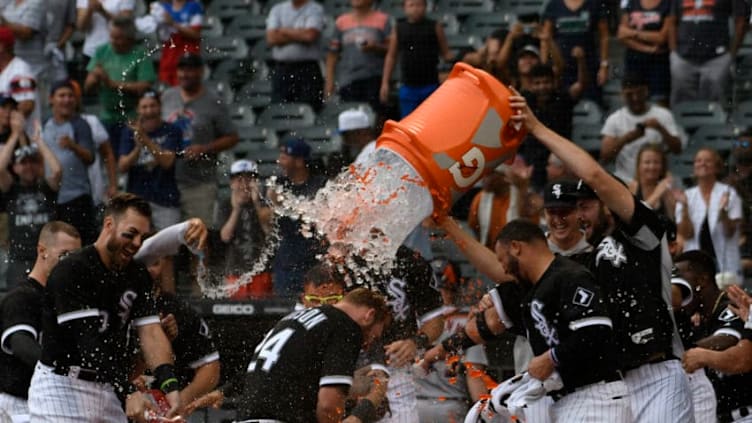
(541, 324)
(125, 304)
(727, 315)
(556, 190)
(583, 297)
(398, 299)
(612, 251)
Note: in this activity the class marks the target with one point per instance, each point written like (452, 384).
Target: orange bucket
(457, 135)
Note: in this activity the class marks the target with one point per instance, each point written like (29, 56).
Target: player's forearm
(734, 360)
(481, 257)
(166, 242)
(155, 346)
(204, 381)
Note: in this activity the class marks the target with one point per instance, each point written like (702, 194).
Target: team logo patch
(727, 315)
(583, 297)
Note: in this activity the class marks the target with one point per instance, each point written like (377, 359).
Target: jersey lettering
(310, 318)
(269, 349)
(583, 297)
(612, 251)
(473, 159)
(398, 299)
(541, 324)
(125, 304)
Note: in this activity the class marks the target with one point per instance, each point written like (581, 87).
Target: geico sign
(233, 309)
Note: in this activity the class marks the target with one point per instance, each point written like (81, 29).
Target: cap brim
(559, 205)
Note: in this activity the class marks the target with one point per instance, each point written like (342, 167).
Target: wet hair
(520, 230)
(699, 262)
(322, 274)
(50, 229)
(542, 70)
(656, 148)
(120, 203)
(371, 299)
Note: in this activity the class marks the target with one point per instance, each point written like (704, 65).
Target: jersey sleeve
(645, 230)
(729, 324)
(507, 301)
(583, 312)
(421, 280)
(340, 356)
(20, 313)
(72, 296)
(193, 346)
(144, 306)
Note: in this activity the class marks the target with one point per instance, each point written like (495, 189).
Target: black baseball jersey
(88, 311)
(633, 268)
(193, 347)
(306, 350)
(564, 312)
(732, 391)
(411, 294)
(20, 310)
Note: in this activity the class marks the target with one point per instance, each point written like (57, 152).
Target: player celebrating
(632, 265)
(303, 368)
(92, 298)
(21, 319)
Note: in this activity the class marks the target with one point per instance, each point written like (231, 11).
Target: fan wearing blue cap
(295, 254)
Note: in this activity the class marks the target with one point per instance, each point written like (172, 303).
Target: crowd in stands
(181, 103)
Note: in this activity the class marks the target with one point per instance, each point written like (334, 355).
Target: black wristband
(458, 341)
(483, 330)
(421, 341)
(164, 378)
(365, 411)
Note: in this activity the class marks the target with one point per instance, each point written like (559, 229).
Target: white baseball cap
(353, 119)
(243, 166)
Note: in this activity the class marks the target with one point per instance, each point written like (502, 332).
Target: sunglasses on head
(331, 299)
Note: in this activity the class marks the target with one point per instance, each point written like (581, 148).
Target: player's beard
(116, 249)
(513, 267)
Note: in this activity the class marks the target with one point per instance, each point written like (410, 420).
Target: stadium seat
(693, 114)
(266, 159)
(461, 43)
(323, 140)
(251, 27)
(449, 22)
(588, 137)
(336, 7)
(587, 112)
(228, 9)
(525, 7)
(223, 90)
(465, 7)
(253, 138)
(239, 72)
(261, 51)
(681, 169)
(718, 137)
(287, 117)
(257, 93)
(216, 49)
(212, 27)
(329, 115)
(742, 115)
(484, 24)
(242, 114)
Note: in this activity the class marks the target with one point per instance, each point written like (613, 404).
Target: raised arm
(481, 257)
(613, 194)
(389, 61)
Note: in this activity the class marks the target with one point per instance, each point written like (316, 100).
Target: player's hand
(136, 406)
(681, 197)
(541, 367)
(17, 122)
(175, 407)
(740, 301)
(170, 326)
(578, 52)
(433, 355)
(652, 123)
(65, 142)
(602, 76)
(521, 111)
(723, 204)
(694, 359)
(213, 399)
(196, 234)
(401, 352)
(485, 303)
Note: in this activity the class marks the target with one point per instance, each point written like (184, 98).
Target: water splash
(364, 215)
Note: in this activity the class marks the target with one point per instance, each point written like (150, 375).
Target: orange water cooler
(457, 135)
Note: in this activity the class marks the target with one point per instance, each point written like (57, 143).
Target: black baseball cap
(190, 60)
(560, 194)
(584, 192)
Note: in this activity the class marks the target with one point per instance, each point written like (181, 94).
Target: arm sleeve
(86, 140)
(25, 347)
(335, 44)
(645, 230)
(98, 133)
(194, 346)
(729, 324)
(166, 242)
(20, 315)
(609, 127)
(272, 21)
(421, 280)
(35, 16)
(584, 312)
(144, 311)
(339, 359)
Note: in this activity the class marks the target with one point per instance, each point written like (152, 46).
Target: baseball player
(558, 305)
(92, 298)
(560, 210)
(21, 319)
(417, 322)
(301, 371)
(719, 329)
(632, 265)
